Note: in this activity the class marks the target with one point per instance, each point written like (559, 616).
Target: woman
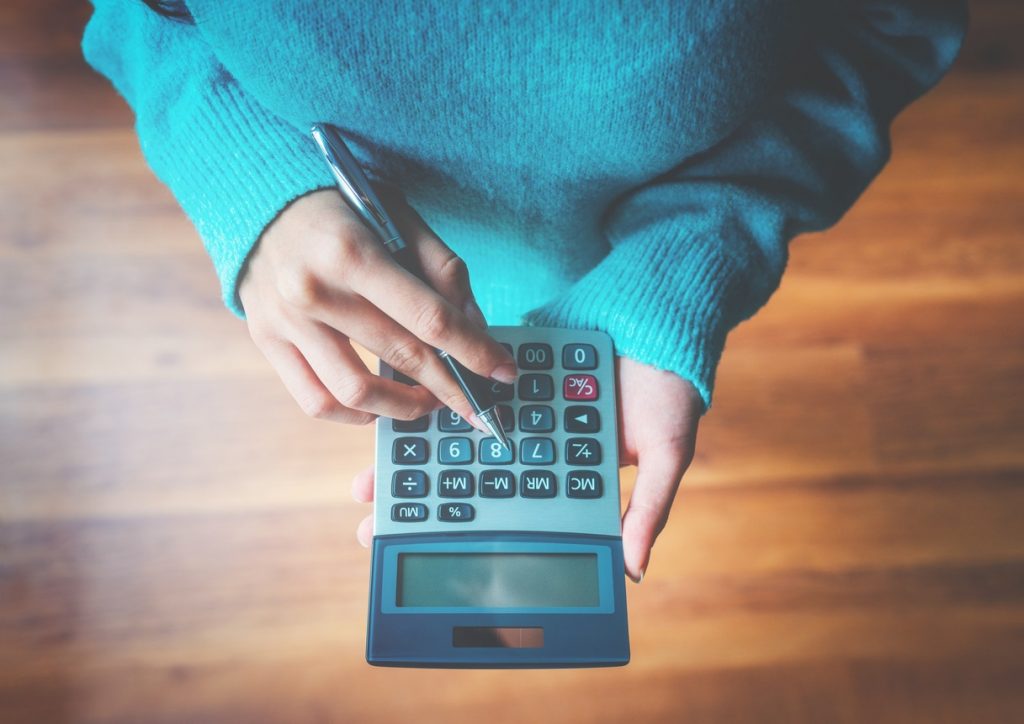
(635, 168)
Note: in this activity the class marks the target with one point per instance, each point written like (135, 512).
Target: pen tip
(493, 425)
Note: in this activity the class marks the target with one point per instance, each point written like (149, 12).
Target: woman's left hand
(658, 416)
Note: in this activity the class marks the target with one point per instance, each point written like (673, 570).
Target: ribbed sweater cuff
(234, 171)
(664, 296)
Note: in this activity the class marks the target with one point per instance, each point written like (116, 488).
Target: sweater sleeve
(231, 164)
(701, 248)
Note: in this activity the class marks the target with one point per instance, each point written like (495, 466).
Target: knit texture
(627, 167)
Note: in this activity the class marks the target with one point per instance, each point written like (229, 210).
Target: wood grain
(177, 540)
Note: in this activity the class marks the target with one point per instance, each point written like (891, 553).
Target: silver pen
(360, 196)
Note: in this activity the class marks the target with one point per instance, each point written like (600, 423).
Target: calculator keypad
(561, 473)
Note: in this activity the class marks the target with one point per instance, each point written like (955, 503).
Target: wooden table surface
(176, 539)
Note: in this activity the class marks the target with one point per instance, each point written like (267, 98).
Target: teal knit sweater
(633, 167)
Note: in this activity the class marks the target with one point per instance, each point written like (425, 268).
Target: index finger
(413, 304)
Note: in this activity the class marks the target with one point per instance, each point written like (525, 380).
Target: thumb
(660, 469)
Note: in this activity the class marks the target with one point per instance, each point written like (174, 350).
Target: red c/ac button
(579, 387)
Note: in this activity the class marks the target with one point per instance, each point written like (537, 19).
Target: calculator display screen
(498, 580)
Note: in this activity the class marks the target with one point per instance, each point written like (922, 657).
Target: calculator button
(579, 387)
(583, 484)
(537, 484)
(454, 450)
(408, 512)
(455, 512)
(579, 357)
(536, 356)
(582, 451)
(409, 451)
(420, 424)
(507, 418)
(502, 392)
(582, 418)
(536, 451)
(536, 418)
(455, 484)
(493, 452)
(409, 484)
(497, 484)
(449, 420)
(536, 387)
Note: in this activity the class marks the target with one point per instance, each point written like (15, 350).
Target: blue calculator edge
(564, 600)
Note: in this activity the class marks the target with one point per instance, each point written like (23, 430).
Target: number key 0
(579, 357)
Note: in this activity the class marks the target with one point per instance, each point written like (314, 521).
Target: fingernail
(639, 579)
(473, 311)
(478, 424)
(505, 373)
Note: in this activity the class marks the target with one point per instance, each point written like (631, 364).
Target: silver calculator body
(489, 558)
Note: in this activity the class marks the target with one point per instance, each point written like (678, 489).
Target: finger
(359, 320)
(444, 270)
(659, 472)
(343, 373)
(364, 532)
(305, 387)
(433, 319)
(362, 485)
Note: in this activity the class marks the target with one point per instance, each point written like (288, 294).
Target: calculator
(489, 557)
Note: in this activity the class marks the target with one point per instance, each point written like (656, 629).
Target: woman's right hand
(318, 278)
